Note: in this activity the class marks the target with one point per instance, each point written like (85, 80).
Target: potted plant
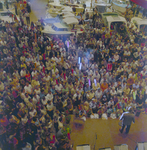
(67, 119)
(89, 112)
(76, 113)
(66, 113)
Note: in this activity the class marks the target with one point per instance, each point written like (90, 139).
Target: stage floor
(108, 135)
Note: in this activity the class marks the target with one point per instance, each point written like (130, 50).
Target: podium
(141, 146)
(83, 147)
(121, 147)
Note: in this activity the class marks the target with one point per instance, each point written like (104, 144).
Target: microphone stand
(95, 141)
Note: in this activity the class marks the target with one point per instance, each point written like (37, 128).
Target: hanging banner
(142, 3)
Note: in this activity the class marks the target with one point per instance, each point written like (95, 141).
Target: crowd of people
(41, 78)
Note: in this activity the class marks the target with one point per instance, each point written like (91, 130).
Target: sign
(73, 30)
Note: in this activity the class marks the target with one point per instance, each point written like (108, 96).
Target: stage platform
(107, 133)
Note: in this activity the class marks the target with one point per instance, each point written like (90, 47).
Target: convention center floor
(99, 133)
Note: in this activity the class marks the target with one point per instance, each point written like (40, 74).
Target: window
(62, 29)
(5, 14)
(54, 28)
(59, 29)
(118, 26)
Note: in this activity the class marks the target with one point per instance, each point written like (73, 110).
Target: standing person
(127, 118)
(27, 15)
(15, 6)
(7, 5)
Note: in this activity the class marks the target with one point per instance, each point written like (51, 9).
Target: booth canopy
(67, 9)
(68, 14)
(71, 20)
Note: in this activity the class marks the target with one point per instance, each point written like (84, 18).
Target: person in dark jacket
(127, 119)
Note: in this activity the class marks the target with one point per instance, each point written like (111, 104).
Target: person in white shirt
(43, 110)
(27, 98)
(58, 87)
(27, 15)
(119, 47)
(22, 95)
(41, 66)
(47, 78)
(34, 72)
(67, 42)
(1, 86)
(44, 101)
(66, 65)
(136, 54)
(99, 41)
(28, 146)
(23, 72)
(119, 70)
(28, 88)
(9, 57)
(94, 65)
(24, 119)
(37, 63)
(119, 90)
(113, 92)
(72, 47)
(37, 90)
(127, 53)
(53, 58)
(129, 69)
(3, 42)
(110, 103)
(70, 57)
(96, 30)
(132, 75)
(98, 93)
(62, 48)
(16, 74)
(50, 108)
(23, 58)
(36, 98)
(58, 59)
(93, 105)
(96, 75)
(63, 54)
(33, 113)
(145, 48)
(54, 71)
(89, 71)
(49, 96)
(25, 38)
(55, 46)
(143, 72)
(48, 47)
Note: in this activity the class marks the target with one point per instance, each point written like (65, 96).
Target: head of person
(130, 109)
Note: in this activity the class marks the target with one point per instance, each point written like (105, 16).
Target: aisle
(107, 133)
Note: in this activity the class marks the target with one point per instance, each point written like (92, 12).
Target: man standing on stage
(127, 118)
